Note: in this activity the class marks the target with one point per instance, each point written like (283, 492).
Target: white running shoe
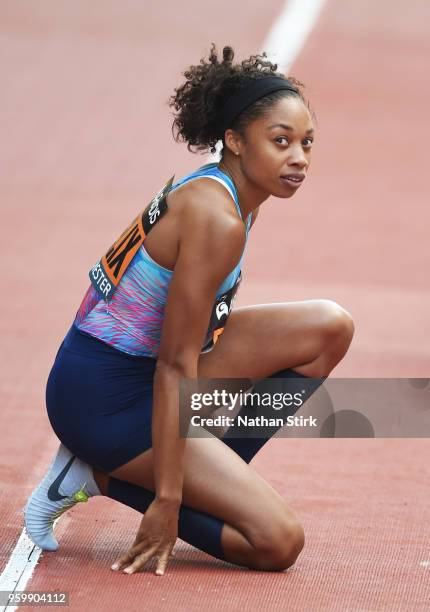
(67, 482)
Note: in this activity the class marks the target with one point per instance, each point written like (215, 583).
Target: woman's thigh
(99, 401)
(258, 341)
(263, 339)
(217, 481)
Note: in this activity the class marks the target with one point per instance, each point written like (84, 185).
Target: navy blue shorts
(99, 401)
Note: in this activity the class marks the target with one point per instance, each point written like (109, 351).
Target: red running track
(86, 139)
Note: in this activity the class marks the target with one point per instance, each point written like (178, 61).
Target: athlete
(159, 309)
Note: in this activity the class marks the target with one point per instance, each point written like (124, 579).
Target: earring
(236, 152)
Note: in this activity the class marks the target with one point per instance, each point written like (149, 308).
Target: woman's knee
(278, 547)
(337, 326)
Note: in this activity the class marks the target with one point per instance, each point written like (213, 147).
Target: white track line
(19, 568)
(286, 39)
(283, 44)
(290, 31)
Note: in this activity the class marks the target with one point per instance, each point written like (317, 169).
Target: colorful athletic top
(124, 306)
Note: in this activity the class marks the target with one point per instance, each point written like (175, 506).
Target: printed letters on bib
(106, 275)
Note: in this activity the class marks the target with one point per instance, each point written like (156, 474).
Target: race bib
(220, 313)
(106, 275)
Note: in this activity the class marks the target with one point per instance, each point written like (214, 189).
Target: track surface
(86, 140)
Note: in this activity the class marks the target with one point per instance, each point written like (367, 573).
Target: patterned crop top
(131, 320)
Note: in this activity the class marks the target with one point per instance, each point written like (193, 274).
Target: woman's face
(275, 152)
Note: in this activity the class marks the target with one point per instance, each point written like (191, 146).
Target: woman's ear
(232, 141)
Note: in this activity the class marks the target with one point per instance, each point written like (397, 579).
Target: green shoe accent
(81, 496)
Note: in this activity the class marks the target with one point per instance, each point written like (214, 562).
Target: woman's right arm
(210, 245)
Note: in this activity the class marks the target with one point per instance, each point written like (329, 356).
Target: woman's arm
(210, 245)
(211, 241)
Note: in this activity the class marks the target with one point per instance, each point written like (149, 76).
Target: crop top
(131, 320)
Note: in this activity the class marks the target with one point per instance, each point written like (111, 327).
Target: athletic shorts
(99, 401)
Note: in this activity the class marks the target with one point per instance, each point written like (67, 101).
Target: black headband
(257, 89)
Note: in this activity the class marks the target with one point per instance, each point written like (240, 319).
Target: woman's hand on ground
(156, 537)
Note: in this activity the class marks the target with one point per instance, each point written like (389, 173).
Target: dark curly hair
(208, 85)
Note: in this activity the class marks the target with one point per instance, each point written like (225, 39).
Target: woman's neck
(250, 196)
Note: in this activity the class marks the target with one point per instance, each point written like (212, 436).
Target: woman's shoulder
(208, 222)
(207, 203)
(205, 198)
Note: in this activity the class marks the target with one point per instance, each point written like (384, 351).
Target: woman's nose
(298, 158)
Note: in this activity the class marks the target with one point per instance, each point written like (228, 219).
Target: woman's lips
(294, 180)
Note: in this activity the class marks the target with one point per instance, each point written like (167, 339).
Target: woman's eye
(283, 140)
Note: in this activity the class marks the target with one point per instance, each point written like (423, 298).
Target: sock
(67, 482)
(293, 382)
(199, 529)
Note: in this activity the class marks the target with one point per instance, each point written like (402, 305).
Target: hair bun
(227, 55)
(207, 87)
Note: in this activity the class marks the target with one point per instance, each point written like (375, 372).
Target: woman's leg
(237, 438)
(259, 530)
(228, 510)
(290, 341)
(310, 337)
